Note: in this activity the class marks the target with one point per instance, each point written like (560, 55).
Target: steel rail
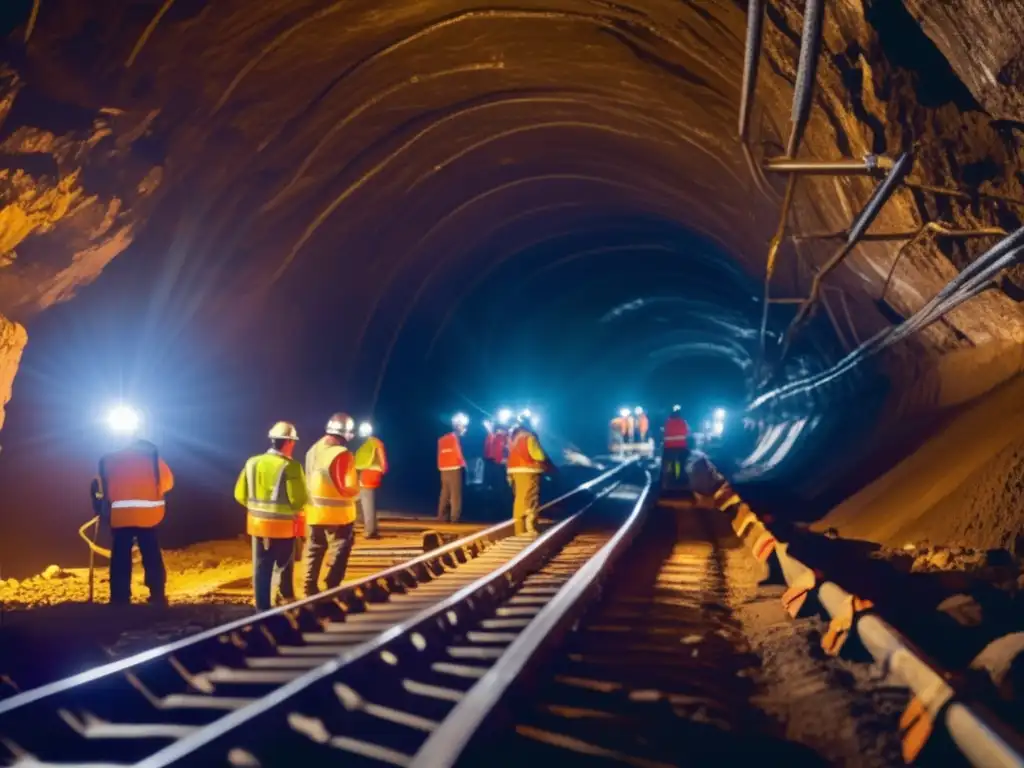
(266, 632)
(380, 663)
(470, 719)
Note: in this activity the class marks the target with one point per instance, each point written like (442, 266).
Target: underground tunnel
(804, 217)
(232, 213)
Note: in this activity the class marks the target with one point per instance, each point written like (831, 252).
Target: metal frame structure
(896, 175)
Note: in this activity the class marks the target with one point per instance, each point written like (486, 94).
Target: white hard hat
(340, 425)
(283, 430)
(460, 420)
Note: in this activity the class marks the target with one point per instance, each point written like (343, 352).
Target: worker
(272, 488)
(495, 449)
(676, 449)
(372, 465)
(619, 429)
(643, 424)
(526, 463)
(452, 466)
(129, 494)
(332, 482)
(630, 427)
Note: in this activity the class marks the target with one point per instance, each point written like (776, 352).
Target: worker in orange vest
(677, 445)
(452, 466)
(272, 488)
(619, 430)
(495, 448)
(526, 463)
(332, 484)
(129, 494)
(372, 464)
(643, 424)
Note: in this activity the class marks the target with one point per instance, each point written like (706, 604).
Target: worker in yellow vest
(273, 490)
(333, 487)
(129, 494)
(372, 465)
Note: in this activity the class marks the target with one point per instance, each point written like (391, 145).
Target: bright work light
(504, 415)
(365, 429)
(123, 420)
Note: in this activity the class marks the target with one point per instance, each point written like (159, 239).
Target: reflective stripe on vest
(449, 453)
(519, 458)
(326, 504)
(277, 506)
(138, 503)
(129, 480)
(677, 433)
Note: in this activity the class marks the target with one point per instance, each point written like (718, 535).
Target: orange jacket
(373, 451)
(449, 453)
(642, 425)
(495, 446)
(619, 424)
(133, 482)
(526, 455)
(677, 432)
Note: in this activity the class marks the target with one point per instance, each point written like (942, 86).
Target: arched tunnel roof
(376, 165)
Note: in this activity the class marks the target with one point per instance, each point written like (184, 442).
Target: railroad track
(142, 708)
(657, 675)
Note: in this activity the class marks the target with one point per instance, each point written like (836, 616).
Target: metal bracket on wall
(936, 229)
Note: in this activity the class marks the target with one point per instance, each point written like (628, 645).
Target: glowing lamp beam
(123, 420)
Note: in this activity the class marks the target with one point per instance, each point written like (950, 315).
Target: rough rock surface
(961, 488)
(293, 126)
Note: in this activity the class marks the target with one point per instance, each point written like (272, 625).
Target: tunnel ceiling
(399, 152)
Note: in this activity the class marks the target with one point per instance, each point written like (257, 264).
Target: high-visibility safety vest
(495, 446)
(619, 425)
(676, 432)
(371, 462)
(643, 424)
(132, 483)
(272, 490)
(449, 453)
(328, 504)
(525, 454)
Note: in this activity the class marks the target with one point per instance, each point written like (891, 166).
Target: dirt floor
(48, 630)
(688, 659)
(846, 712)
(963, 487)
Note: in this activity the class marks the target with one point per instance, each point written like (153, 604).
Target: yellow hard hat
(283, 430)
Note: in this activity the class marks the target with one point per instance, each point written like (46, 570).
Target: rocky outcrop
(71, 195)
(983, 40)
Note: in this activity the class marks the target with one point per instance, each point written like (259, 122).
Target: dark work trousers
(494, 475)
(121, 563)
(449, 506)
(368, 503)
(272, 569)
(334, 541)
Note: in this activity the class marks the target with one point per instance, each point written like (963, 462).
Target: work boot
(158, 600)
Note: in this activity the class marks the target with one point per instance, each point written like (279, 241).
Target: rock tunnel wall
(105, 126)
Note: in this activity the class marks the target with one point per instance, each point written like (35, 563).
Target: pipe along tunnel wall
(431, 176)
